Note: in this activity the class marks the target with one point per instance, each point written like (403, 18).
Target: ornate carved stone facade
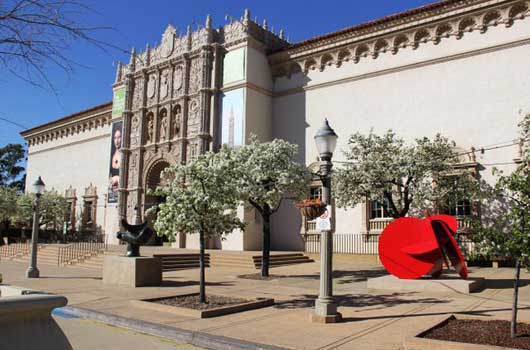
(168, 115)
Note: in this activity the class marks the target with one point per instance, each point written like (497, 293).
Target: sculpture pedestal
(444, 284)
(132, 272)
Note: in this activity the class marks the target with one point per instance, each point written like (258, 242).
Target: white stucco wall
(77, 160)
(474, 99)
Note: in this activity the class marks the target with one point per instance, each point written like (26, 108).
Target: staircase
(174, 262)
(241, 260)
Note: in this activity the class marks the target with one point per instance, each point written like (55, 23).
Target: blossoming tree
(269, 173)
(202, 198)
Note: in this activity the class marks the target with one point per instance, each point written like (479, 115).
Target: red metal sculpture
(410, 248)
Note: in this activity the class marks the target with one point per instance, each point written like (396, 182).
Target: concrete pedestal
(427, 284)
(26, 321)
(132, 272)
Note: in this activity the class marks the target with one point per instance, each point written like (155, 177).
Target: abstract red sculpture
(410, 248)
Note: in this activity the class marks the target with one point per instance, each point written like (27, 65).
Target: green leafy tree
(268, 173)
(507, 231)
(8, 208)
(11, 171)
(53, 210)
(201, 198)
(409, 178)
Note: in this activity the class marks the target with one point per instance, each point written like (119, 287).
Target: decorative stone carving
(193, 117)
(138, 93)
(177, 119)
(178, 80)
(135, 130)
(164, 84)
(163, 125)
(168, 41)
(151, 86)
(150, 128)
(195, 76)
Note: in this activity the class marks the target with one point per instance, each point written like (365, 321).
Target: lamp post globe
(326, 141)
(39, 186)
(33, 271)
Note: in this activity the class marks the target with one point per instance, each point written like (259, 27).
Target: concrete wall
(470, 90)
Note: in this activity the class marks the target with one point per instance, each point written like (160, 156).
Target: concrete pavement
(373, 320)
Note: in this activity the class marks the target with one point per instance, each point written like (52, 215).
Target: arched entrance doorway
(154, 178)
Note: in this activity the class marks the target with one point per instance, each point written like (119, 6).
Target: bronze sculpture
(135, 236)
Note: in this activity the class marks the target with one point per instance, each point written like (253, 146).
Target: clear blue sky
(139, 22)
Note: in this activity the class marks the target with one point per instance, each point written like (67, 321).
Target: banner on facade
(115, 162)
(118, 102)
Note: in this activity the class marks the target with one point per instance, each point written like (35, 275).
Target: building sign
(118, 102)
(234, 66)
(115, 162)
(232, 120)
(323, 222)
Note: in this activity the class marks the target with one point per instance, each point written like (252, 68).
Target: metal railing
(79, 251)
(16, 249)
(367, 244)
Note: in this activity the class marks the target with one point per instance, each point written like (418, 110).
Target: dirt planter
(420, 342)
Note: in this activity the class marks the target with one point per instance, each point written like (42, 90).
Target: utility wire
(14, 123)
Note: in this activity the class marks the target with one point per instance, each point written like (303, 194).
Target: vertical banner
(232, 120)
(118, 102)
(115, 162)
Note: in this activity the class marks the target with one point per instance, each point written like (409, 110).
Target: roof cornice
(410, 28)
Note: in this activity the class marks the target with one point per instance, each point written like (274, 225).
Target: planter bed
(189, 305)
(470, 334)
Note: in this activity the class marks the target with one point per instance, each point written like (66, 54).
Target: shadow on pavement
(360, 300)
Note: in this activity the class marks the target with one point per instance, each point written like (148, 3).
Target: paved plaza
(372, 319)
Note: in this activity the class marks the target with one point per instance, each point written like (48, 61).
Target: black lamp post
(33, 271)
(325, 305)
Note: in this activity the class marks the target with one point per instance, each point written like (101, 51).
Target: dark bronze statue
(135, 236)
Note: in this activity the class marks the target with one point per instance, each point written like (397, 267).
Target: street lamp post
(33, 271)
(325, 305)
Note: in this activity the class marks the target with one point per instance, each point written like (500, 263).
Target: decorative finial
(246, 16)
(208, 24)
(132, 61)
(188, 30)
(147, 55)
(118, 72)
(265, 24)
(282, 34)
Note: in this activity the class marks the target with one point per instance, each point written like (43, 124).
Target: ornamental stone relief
(151, 86)
(178, 81)
(150, 129)
(133, 170)
(135, 130)
(177, 119)
(193, 117)
(164, 85)
(195, 76)
(168, 42)
(163, 125)
(138, 93)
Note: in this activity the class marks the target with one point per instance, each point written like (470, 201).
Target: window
(379, 209)
(315, 193)
(459, 208)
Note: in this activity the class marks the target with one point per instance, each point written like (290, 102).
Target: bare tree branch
(36, 34)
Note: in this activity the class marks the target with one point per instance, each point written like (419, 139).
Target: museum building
(455, 67)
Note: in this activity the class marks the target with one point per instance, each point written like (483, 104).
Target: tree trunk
(266, 249)
(513, 326)
(202, 283)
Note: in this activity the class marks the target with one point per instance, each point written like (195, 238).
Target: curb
(199, 339)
